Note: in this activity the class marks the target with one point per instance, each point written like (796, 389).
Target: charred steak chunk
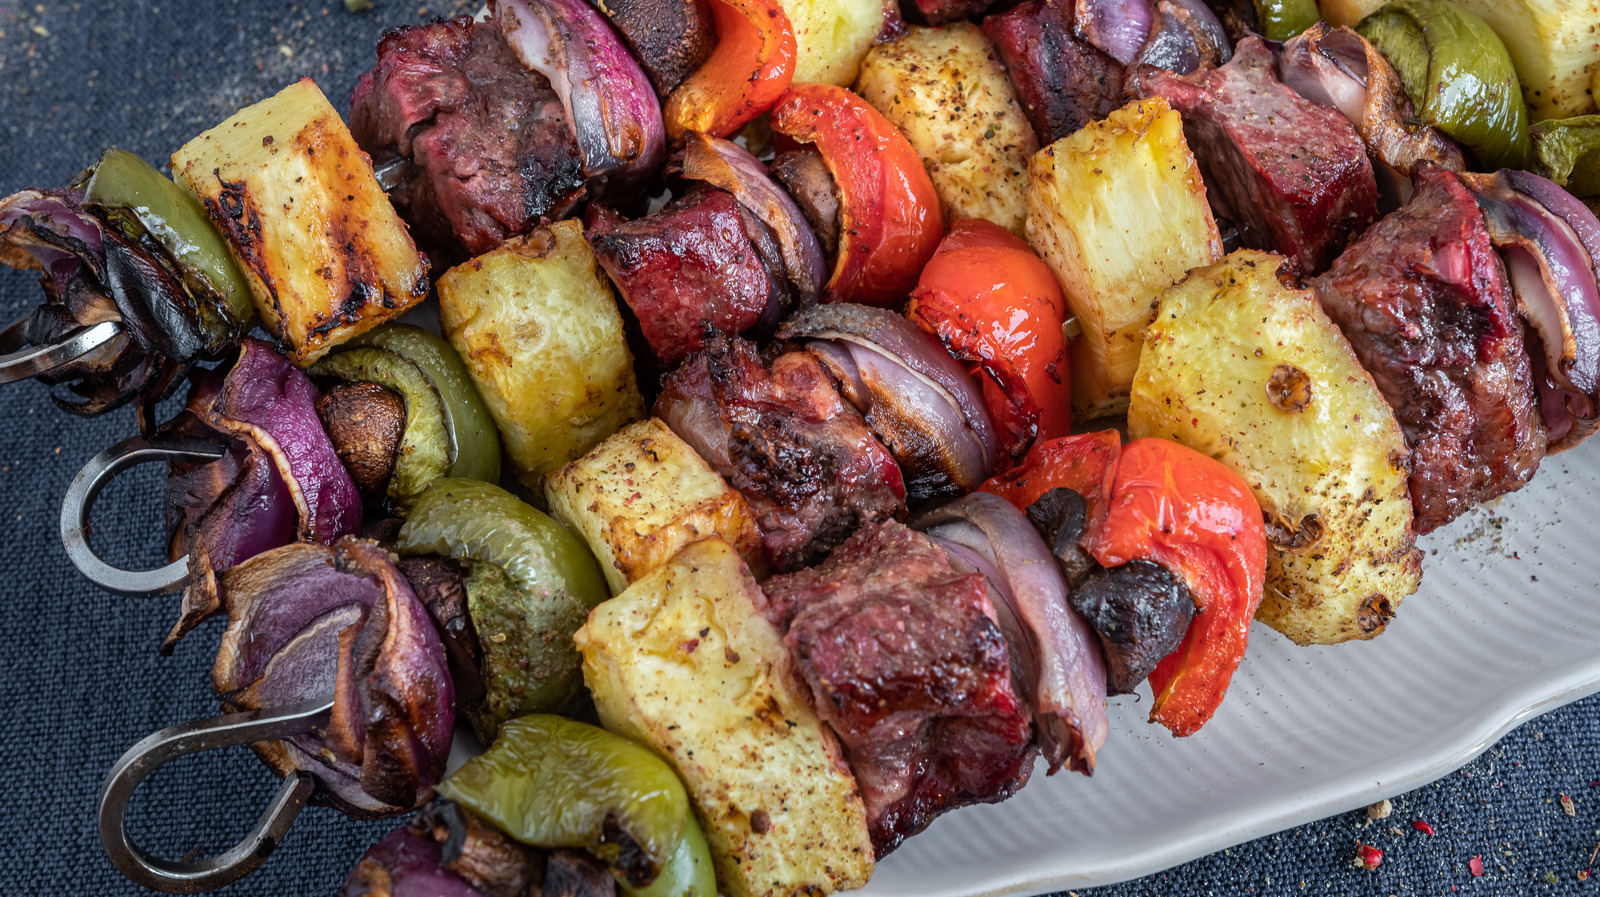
(804, 458)
(1292, 175)
(907, 664)
(1424, 300)
(807, 178)
(701, 262)
(490, 147)
(670, 38)
(1063, 82)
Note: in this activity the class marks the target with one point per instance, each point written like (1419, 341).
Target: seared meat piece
(906, 663)
(1294, 176)
(1063, 83)
(702, 261)
(803, 457)
(490, 147)
(670, 38)
(938, 12)
(1424, 300)
(1140, 611)
(809, 181)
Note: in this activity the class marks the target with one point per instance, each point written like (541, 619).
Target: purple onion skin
(1540, 230)
(405, 865)
(62, 212)
(267, 398)
(920, 351)
(1066, 669)
(1118, 28)
(743, 175)
(610, 103)
(309, 621)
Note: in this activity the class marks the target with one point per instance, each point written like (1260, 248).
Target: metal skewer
(188, 738)
(19, 360)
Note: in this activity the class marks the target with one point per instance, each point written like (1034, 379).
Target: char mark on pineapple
(701, 263)
(491, 152)
(1425, 302)
(908, 666)
(1293, 176)
(1062, 82)
(804, 458)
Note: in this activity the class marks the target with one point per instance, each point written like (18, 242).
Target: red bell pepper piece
(996, 305)
(750, 68)
(1160, 501)
(890, 222)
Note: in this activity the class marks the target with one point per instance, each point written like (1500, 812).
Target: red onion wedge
(309, 621)
(273, 403)
(1118, 28)
(1186, 38)
(406, 863)
(610, 104)
(918, 399)
(1554, 273)
(1061, 666)
(725, 164)
(1338, 68)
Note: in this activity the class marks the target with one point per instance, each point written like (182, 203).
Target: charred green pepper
(1283, 19)
(1458, 76)
(552, 782)
(1569, 152)
(132, 195)
(552, 582)
(448, 431)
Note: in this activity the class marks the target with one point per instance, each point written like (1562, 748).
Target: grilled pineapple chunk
(1253, 373)
(642, 495)
(946, 89)
(1119, 213)
(325, 254)
(831, 36)
(538, 328)
(1553, 44)
(684, 662)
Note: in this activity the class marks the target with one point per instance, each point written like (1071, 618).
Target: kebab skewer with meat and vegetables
(859, 492)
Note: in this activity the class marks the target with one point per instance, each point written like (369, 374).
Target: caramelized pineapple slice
(642, 495)
(326, 256)
(685, 662)
(1250, 371)
(1120, 214)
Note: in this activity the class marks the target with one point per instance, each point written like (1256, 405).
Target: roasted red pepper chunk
(750, 68)
(996, 305)
(1159, 501)
(890, 223)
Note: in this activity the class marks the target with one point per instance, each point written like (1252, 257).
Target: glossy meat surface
(804, 458)
(1292, 175)
(701, 262)
(490, 148)
(1425, 302)
(907, 664)
(1062, 82)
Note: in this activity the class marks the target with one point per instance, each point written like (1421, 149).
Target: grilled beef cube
(803, 457)
(1292, 175)
(938, 12)
(1425, 302)
(670, 38)
(906, 663)
(490, 149)
(701, 262)
(1063, 83)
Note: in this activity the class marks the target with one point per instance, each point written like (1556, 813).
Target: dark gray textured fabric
(82, 680)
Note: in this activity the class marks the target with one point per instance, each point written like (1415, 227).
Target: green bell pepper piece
(1283, 19)
(552, 782)
(556, 576)
(123, 181)
(1458, 75)
(424, 454)
(475, 449)
(1569, 152)
(506, 622)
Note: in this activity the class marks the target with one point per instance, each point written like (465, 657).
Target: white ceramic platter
(1504, 628)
